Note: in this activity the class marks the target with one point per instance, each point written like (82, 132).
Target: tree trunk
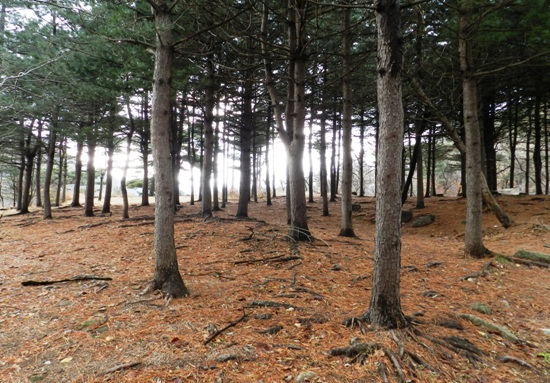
(62, 154)
(267, 139)
(29, 167)
(215, 190)
(90, 177)
(49, 170)
(123, 190)
(346, 226)
(245, 144)
(333, 163)
(528, 154)
(78, 171)
(474, 208)
(167, 276)
(293, 136)
(38, 177)
(109, 182)
(144, 148)
(513, 140)
(419, 170)
(385, 304)
(323, 154)
(362, 155)
(537, 157)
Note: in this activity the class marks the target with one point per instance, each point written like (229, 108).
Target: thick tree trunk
(346, 226)
(385, 303)
(27, 182)
(167, 276)
(474, 207)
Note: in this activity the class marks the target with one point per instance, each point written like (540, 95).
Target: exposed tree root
(119, 367)
(483, 273)
(215, 335)
(505, 333)
(507, 359)
(71, 279)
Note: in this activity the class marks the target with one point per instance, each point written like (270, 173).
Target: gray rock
(306, 376)
(424, 220)
(406, 216)
(481, 308)
(545, 331)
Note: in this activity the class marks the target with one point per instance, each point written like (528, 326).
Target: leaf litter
(263, 309)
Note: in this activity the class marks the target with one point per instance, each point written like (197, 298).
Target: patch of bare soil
(270, 310)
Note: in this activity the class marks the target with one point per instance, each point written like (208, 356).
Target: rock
(306, 376)
(406, 216)
(533, 256)
(424, 220)
(96, 320)
(545, 331)
(263, 316)
(355, 207)
(37, 378)
(433, 264)
(226, 357)
(481, 308)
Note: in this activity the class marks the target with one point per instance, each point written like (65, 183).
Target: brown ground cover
(232, 267)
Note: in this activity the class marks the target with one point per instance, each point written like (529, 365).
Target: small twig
(225, 328)
(119, 367)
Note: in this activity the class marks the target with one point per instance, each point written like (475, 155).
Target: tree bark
(323, 154)
(109, 181)
(474, 208)
(145, 136)
(385, 304)
(167, 276)
(245, 144)
(49, 170)
(78, 170)
(90, 177)
(206, 206)
(537, 157)
(346, 226)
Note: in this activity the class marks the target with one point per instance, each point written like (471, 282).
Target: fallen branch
(72, 279)
(215, 335)
(505, 333)
(271, 304)
(119, 367)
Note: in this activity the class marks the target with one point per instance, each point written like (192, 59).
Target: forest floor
(294, 298)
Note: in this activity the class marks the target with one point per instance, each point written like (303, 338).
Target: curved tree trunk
(385, 304)
(167, 277)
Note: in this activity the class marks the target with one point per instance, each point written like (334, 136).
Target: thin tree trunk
(245, 144)
(537, 157)
(123, 189)
(528, 153)
(90, 177)
(38, 177)
(362, 155)
(144, 148)
(60, 172)
(78, 170)
(333, 162)
(474, 208)
(206, 206)
(215, 191)
(109, 181)
(267, 139)
(323, 154)
(346, 226)
(49, 170)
